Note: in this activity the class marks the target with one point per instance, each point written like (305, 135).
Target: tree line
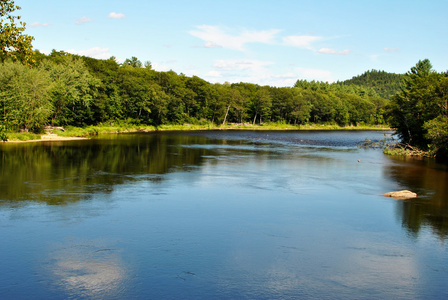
(62, 89)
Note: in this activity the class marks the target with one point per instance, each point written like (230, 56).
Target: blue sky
(264, 42)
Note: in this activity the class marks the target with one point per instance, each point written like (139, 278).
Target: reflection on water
(87, 269)
(220, 215)
(430, 181)
(64, 172)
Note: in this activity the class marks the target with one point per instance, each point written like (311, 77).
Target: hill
(385, 84)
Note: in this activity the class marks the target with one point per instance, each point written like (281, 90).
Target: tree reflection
(429, 180)
(57, 173)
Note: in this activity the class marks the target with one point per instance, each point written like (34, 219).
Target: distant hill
(384, 83)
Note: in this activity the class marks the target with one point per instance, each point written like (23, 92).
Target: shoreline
(48, 138)
(73, 134)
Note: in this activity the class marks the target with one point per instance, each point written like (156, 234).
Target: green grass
(121, 127)
(406, 150)
(71, 131)
(22, 136)
(271, 126)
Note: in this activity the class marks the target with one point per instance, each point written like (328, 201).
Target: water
(220, 215)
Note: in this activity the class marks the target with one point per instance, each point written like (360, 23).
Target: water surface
(219, 214)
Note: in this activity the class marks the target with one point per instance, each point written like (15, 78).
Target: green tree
(437, 128)
(107, 106)
(437, 134)
(134, 91)
(416, 104)
(301, 108)
(182, 104)
(134, 62)
(3, 135)
(73, 89)
(217, 102)
(246, 91)
(323, 107)
(24, 96)
(202, 95)
(159, 104)
(13, 42)
(261, 105)
(386, 85)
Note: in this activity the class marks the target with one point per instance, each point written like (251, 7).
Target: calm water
(220, 215)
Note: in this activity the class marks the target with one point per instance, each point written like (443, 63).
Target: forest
(62, 89)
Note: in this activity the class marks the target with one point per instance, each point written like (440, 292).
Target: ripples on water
(227, 215)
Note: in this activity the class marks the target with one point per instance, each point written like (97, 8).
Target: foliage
(419, 111)
(411, 106)
(405, 150)
(24, 96)
(13, 42)
(72, 91)
(3, 135)
(437, 134)
(133, 62)
(385, 84)
(86, 92)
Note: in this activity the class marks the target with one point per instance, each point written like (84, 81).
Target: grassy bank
(22, 136)
(407, 150)
(71, 131)
(104, 129)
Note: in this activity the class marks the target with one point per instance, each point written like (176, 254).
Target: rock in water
(401, 195)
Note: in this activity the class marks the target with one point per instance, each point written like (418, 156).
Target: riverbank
(76, 133)
(408, 151)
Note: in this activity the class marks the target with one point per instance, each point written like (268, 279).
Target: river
(220, 215)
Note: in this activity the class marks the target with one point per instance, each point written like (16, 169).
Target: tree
(416, 104)
(24, 96)
(13, 42)
(438, 135)
(159, 102)
(134, 62)
(386, 85)
(261, 105)
(230, 98)
(148, 65)
(108, 105)
(301, 108)
(72, 90)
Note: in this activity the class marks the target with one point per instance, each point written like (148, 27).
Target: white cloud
(315, 74)
(37, 24)
(253, 71)
(332, 51)
(301, 41)
(216, 37)
(243, 70)
(211, 45)
(114, 15)
(96, 52)
(83, 20)
(214, 73)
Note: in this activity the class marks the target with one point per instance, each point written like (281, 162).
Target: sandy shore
(50, 137)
